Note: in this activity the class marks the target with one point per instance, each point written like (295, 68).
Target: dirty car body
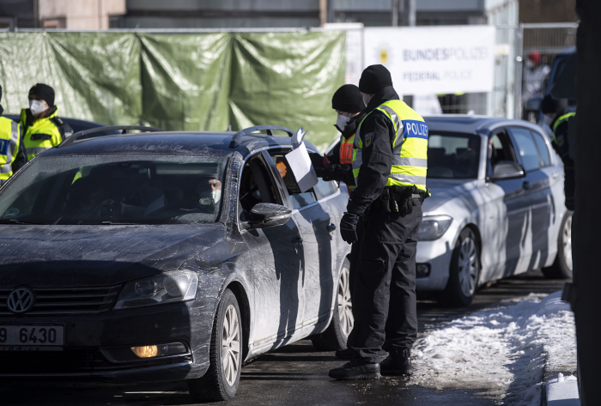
(119, 242)
(513, 219)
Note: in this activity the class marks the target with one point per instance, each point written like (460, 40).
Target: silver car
(496, 210)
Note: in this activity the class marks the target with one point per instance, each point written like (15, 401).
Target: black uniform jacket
(377, 133)
(561, 141)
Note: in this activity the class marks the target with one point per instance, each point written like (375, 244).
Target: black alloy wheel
(221, 380)
(463, 273)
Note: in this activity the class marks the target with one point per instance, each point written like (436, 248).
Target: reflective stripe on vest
(40, 127)
(9, 144)
(409, 147)
(561, 120)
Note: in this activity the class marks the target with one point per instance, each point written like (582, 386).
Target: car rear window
(95, 190)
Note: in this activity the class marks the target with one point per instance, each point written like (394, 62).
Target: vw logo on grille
(20, 300)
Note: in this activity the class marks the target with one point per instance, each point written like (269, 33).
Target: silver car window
(542, 148)
(526, 148)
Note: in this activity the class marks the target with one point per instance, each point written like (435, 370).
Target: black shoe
(356, 370)
(396, 366)
(347, 353)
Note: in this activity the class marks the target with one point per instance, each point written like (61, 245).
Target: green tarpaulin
(181, 81)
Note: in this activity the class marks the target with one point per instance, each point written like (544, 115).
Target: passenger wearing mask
(9, 144)
(557, 117)
(42, 128)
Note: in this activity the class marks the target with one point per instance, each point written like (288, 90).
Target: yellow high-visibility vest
(409, 147)
(10, 135)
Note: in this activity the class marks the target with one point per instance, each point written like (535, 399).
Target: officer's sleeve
(376, 165)
(562, 145)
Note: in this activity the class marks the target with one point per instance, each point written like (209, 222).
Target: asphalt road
(297, 374)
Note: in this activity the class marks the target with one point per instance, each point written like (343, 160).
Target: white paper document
(302, 168)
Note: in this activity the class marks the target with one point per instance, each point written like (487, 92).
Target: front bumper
(90, 339)
(438, 255)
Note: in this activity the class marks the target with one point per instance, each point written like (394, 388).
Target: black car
(163, 256)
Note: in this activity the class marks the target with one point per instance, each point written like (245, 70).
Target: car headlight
(433, 227)
(168, 287)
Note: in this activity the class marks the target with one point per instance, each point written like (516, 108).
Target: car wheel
(563, 265)
(463, 272)
(336, 335)
(223, 376)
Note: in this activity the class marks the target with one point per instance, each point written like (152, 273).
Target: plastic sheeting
(185, 82)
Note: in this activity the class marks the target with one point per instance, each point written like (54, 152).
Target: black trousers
(384, 301)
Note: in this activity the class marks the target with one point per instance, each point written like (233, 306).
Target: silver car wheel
(230, 345)
(467, 264)
(345, 307)
(567, 242)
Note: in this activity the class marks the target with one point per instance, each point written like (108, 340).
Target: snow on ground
(503, 351)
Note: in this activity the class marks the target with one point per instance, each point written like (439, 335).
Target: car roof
(473, 124)
(191, 143)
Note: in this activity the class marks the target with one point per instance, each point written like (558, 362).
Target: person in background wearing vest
(390, 165)
(42, 128)
(9, 144)
(338, 163)
(557, 116)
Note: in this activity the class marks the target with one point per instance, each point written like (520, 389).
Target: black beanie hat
(44, 92)
(348, 99)
(374, 78)
(551, 105)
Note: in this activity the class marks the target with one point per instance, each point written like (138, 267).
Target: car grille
(70, 361)
(66, 300)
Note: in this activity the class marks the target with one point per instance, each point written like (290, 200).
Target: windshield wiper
(15, 221)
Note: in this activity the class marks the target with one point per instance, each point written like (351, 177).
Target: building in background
(67, 14)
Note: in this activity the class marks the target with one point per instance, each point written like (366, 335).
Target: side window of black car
(299, 199)
(256, 186)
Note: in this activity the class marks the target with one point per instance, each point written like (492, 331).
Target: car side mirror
(507, 170)
(268, 215)
(533, 104)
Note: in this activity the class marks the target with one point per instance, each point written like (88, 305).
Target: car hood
(447, 192)
(67, 256)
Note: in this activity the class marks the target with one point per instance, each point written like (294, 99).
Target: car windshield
(453, 155)
(115, 190)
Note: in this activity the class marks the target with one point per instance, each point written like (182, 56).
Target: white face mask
(548, 120)
(37, 107)
(342, 121)
(366, 99)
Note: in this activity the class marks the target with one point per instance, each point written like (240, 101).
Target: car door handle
(297, 241)
(526, 185)
(555, 175)
(331, 227)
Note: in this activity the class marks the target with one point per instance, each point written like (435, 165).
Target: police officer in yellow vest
(42, 128)
(9, 144)
(390, 168)
(557, 116)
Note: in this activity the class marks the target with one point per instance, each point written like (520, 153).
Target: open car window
(110, 190)
(256, 186)
(298, 199)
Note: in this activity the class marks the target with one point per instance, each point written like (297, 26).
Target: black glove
(348, 227)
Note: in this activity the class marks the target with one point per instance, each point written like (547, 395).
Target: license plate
(31, 336)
